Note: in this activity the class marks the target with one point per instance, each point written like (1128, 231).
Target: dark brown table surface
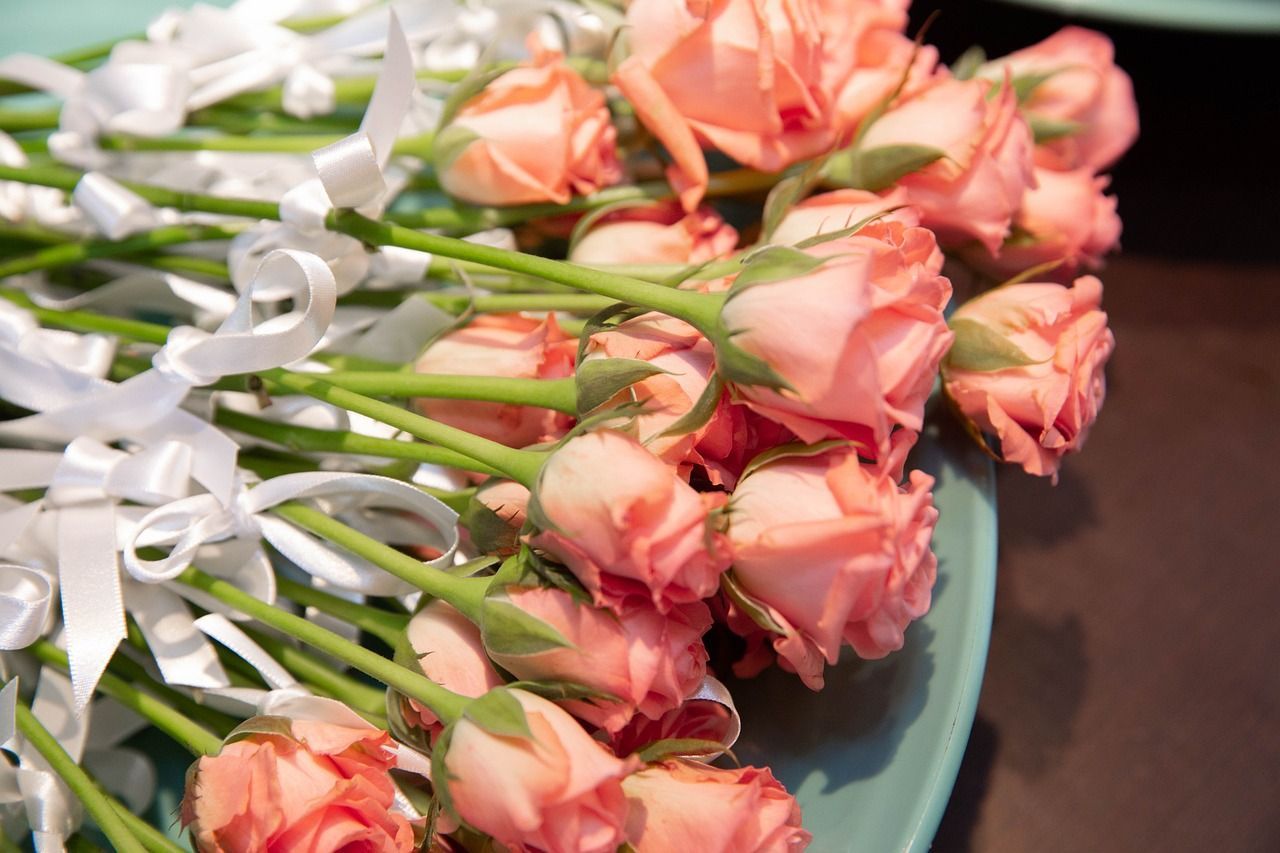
(1132, 694)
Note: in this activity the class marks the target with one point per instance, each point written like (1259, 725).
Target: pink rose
(841, 209)
(687, 805)
(758, 95)
(450, 653)
(974, 190)
(637, 530)
(501, 345)
(649, 661)
(659, 233)
(838, 549)
(1085, 89)
(556, 791)
(307, 786)
(1040, 410)
(1066, 217)
(538, 133)
(858, 338)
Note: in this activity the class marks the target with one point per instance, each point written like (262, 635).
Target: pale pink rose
(647, 660)
(659, 233)
(688, 805)
(838, 548)
(841, 209)
(542, 133)
(974, 190)
(695, 719)
(450, 653)
(741, 76)
(557, 791)
(626, 525)
(1085, 88)
(501, 345)
(1067, 218)
(1039, 411)
(859, 338)
(312, 788)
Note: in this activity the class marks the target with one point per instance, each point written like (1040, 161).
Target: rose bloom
(1085, 88)
(542, 133)
(741, 76)
(450, 653)
(696, 719)
(557, 791)
(625, 524)
(321, 787)
(859, 338)
(687, 805)
(659, 233)
(508, 345)
(1039, 411)
(973, 191)
(839, 549)
(648, 660)
(1067, 217)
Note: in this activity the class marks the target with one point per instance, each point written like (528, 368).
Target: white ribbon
(115, 210)
(26, 596)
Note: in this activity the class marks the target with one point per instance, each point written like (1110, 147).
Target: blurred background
(1132, 694)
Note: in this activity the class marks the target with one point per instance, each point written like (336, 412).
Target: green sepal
(440, 775)
(417, 790)
(879, 168)
(796, 449)
(969, 62)
(489, 531)
(1025, 85)
(739, 367)
(754, 610)
(265, 724)
(498, 713)
(599, 380)
(979, 347)
(660, 750)
(601, 322)
(449, 145)
(772, 264)
(828, 236)
(786, 193)
(583, 225)
(415, 737)
(563, 691)
(1046, 129)
(466, 89)
(471, 567)
(700, 415)
(508, 630)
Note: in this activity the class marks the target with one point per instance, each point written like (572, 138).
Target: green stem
(135, 673)
(153, 839)
(519, 465)
(466, 594)
(384, 625)
(82, 250)
(195, 737)
(86, 321)
(558, 394)
(41, 118)
(310, 440)
(446, 704)
(309, 668)
(107, 818)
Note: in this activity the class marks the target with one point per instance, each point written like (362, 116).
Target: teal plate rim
(1235, 16)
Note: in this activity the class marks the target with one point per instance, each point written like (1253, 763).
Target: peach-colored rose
(1042, 410)
(838, 549)
(501, 345)
(859, 338)
(659, 233)
(741, 76)
(649, 661)
(841, 209)
(542, 133)
(557, 791)
(1067, 217)
(1084, 88)
(450, 653)
(311, 788)
(974, 190)
(688, 805)
(626, 525)
(696, 719)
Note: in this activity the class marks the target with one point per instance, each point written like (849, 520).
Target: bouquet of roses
(395, 400)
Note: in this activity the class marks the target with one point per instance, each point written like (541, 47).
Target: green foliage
(979, 347)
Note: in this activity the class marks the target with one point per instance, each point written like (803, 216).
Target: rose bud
(658, 233)
(556, 790)
(637, 530)
(766, 119)
(538, 133)
(1085, 102)
(1027, 367)
(975, 187)
(298, 785)
(647, 660)
(449, 651)
(858, 337)
(1065, 218)
(838, 549)
(687, 805)
(501, 345)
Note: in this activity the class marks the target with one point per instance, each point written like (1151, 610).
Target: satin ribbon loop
(26, 600)
(113, 209)
(350, 171)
